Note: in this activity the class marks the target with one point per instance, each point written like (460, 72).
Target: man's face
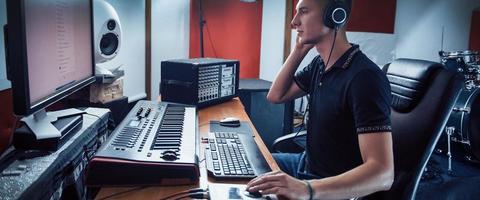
(309, 22)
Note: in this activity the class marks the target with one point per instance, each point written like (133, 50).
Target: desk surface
(232, 108)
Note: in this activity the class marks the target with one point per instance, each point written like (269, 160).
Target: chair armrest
(291, 143)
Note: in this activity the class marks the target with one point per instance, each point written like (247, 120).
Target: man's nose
(294, 23)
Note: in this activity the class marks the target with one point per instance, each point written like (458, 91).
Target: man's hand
(301, 46)
(280, 184)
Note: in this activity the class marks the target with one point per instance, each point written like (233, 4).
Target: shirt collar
(344, 61)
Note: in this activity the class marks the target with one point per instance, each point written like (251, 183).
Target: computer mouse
(230, 122)
(256, 194)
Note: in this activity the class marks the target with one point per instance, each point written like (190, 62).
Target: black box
(199, 81)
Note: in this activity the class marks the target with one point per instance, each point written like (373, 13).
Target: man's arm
(375, 174)
(284, 88)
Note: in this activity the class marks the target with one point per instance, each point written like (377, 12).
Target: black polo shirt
(352, 97)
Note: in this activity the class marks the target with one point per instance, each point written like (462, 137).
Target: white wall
(271, 52)
(418, 26)
(132, 51)
(170, 35)
(4, 83)
(379, 47)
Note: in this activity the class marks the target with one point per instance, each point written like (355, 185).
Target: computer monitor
(49, 56)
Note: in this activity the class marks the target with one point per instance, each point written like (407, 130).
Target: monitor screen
(58, 36)
(50, 50)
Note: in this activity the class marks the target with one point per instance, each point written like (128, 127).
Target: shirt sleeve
(370, 100)
(303, 78)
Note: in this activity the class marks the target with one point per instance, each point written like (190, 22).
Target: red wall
(376, 16)
(6, 118)
(232, 30)
(475, 31)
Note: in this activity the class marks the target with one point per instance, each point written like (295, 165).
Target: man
(349, 143)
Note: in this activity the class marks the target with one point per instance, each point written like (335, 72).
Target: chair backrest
(423, 95)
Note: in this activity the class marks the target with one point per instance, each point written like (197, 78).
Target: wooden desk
(232, 108)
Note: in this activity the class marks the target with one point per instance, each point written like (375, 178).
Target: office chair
(423, 95)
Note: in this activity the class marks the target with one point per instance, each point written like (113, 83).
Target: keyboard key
(213, 147)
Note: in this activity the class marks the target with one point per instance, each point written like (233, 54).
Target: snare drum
(465, 118)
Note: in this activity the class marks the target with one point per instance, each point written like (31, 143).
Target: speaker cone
(109, 44)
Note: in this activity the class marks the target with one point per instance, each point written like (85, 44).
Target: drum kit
(463, 126)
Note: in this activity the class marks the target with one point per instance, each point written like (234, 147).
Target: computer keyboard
(226, 156)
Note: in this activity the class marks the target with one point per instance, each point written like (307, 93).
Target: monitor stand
(47, 130)
(41, 123)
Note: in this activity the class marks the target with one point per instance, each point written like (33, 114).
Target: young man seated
(349, 143)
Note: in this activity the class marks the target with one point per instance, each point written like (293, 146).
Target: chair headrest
(409, 79)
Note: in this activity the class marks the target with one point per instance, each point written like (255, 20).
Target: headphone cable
(333, 45)
(308, 99)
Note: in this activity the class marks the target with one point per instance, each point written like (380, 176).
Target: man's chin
(308, 41)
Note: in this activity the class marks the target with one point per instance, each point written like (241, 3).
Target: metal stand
(41, 122)
(450, 130)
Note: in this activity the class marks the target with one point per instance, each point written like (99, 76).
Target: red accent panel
(377, 16)
(475, 31)
(232, 30)
(295, 2)
(6, 119)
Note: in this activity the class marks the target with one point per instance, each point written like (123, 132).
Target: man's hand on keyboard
(280, 184)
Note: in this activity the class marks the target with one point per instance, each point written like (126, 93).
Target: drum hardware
(465, 115)
(463, 125)
(469, 85)
(466, 110)
(455, 139)
(450, 130)
(464, 62)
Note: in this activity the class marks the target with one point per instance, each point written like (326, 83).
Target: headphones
(335, 14)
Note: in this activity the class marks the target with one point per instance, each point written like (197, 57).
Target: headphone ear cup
(335, 14)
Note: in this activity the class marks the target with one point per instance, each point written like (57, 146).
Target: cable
(333, 45)
(211, 43)
(190, 191)
(122, 192)
(302, 125)
(86, 113)
(100, 118)
(326, 65)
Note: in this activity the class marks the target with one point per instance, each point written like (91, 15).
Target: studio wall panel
(232, 30)
(475, 31)
(376, 16)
